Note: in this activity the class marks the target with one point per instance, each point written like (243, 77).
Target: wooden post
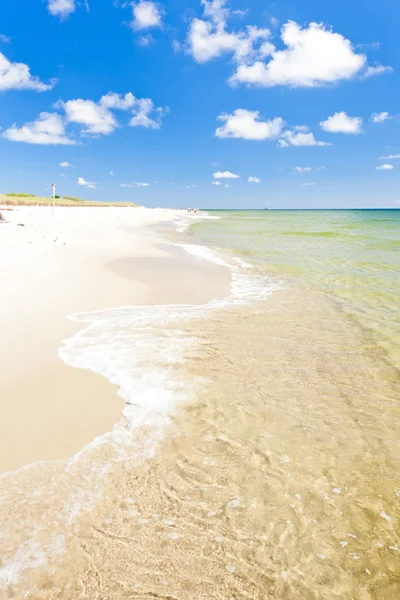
(53, 185)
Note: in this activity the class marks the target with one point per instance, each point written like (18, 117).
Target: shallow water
(351, 255)
(259, 456)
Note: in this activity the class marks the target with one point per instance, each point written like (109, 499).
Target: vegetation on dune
(15, 199)
(20, 195)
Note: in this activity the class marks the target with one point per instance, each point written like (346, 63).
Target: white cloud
(17, 76)
(390, 157)
(254, 180)
(299, 136)
(240, 13)
(247, 124)
(5, 39)
(377, 69)
(302, 169)
(216, 183)
(340, 122)
(176, 46)
(144, 107)
(65, 164)
(111, 172)
(48, 128)
(308, 183)
(208, 39)
(225, 175)
(227, 185)
(97, 118)
(380, 117)
(133, 185)
(321, 168)
(146, 15)
(188, 187)
(385, 167)
(314, 56)
(61, 8)
(117, 101)
(88, 184)
(146, 40)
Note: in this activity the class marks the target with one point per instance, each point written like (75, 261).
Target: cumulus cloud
(88, 184)
(117, 101)
(385, 167)
(61, 8)
(17, 76)
(111, 172)
(302, 169)
(225, 175)
(299, 136)
(145, 114)
(146, 40)
(133, 185)
(146, 15)
(209, 38)
(380, 117)
(254, 180)
(313, 56)
(390, 157)
(321, 168)
(216, 183)
(340, 122)
(248, 125)
(377, 69)
(96, 118)
(65, 164)
(48, 128)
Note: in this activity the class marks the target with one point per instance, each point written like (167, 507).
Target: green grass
(15, 199)
(21, 195)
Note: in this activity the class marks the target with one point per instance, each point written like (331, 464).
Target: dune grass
(22, 199)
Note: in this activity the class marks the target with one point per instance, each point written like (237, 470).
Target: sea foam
(141, 350)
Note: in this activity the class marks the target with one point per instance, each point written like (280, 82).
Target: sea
(258, 455)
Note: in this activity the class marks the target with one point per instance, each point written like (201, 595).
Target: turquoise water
(351, 255)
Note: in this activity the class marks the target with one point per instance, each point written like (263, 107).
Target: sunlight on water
(352, 255)
(272, 468)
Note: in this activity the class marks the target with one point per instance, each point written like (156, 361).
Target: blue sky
(180, 103)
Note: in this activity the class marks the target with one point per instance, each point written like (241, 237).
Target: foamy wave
(140, 349)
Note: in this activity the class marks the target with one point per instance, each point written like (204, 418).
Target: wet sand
(275, 474)
(279, 482)
(50, 270)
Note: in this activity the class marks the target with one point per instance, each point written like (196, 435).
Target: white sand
(52, 267)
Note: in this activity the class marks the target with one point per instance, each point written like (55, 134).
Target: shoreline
(50, 410)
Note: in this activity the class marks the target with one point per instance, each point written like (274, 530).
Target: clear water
(351, 255)
(275, 472)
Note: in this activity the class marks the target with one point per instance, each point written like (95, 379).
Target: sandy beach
(79, 260)
(177, 422)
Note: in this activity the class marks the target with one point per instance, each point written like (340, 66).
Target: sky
(213, 104)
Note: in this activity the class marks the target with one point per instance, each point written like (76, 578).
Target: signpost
(53, 187)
